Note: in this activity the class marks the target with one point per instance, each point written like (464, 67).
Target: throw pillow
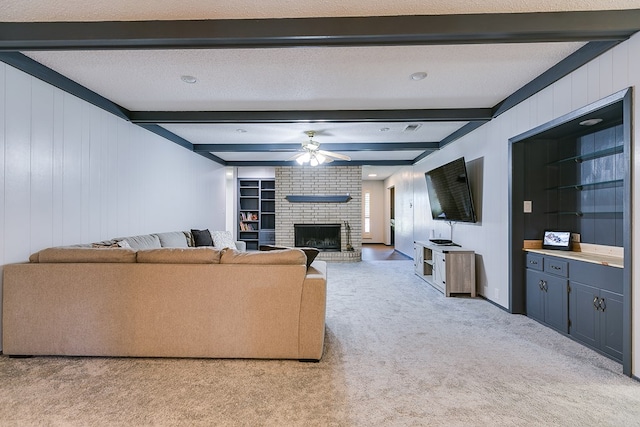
(172, 239)
(146, 241)
(202, 237)
(223, 239)
(106, 245)
(311, 253)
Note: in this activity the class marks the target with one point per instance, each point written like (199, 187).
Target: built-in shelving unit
(570, 176)
(256, 212)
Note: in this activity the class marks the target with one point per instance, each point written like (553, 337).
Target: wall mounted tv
(449, 192)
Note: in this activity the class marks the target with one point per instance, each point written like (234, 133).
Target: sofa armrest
(313, 311)
(241, 246)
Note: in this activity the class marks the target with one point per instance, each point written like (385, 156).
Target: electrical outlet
(527, 206)
(575, 237)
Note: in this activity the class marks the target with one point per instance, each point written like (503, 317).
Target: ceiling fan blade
(296, 156)
(335, 155)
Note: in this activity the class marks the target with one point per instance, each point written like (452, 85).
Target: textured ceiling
(459, 76)
(358, 78)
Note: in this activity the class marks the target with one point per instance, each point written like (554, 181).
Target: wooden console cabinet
(449, 269)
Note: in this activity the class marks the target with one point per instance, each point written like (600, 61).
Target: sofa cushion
(202, 238)
(146, 241)
(311, 253)
(223, 239)
(203, 255)
(189, 237)
(276, 257)
(173, 239)
(81, 255)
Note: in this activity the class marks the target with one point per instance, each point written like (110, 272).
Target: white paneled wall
(73, 173)
(613, 71)
(402, 181)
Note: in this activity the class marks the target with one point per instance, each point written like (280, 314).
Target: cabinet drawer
(600, 276)
(556, 266)
(535, 262)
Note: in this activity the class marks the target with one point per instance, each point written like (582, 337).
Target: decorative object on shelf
(338, 198)
(347, 228)
(312, 154)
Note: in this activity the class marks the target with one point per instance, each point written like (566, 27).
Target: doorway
(392, 216)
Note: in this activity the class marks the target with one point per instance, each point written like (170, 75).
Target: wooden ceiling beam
(324, 31)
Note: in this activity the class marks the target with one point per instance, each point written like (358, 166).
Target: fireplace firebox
(324, 237)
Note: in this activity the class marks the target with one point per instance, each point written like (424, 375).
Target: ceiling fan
(312, 154)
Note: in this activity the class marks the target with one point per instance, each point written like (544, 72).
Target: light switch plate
(528, 207)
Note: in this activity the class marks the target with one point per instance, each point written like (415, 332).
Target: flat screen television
(449, 192)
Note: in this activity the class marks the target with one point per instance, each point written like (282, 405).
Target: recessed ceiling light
(420, 75)
(188, 79)
(371, 175)
(590, 122)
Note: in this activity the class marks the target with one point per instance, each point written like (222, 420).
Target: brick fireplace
(316, 209)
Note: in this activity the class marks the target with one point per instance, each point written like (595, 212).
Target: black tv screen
(449, 192)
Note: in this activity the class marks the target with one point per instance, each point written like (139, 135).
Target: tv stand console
(448, 268)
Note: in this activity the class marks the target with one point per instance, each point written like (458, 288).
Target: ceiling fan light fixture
(304, 158)
(312, 154)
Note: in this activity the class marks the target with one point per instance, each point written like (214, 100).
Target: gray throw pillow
(173, 239)
(147, 241)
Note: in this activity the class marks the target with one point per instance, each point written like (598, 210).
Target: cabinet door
(611, 323)
(583, 313)
(535, 306)
(556, 302)
(418, 260)
(440, 269)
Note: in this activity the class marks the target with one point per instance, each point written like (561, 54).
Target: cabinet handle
(596, 303)
(555, 267)
(602, 304)
(543, 285)
(533, 262)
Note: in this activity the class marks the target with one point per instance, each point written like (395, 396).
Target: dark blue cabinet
(581, 299)
(596, 318)
(547, 299)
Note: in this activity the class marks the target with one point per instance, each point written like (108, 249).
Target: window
(367, 212)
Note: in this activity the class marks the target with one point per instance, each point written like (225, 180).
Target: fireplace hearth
(324, 237)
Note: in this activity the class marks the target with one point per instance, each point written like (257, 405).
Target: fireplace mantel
(338, 198)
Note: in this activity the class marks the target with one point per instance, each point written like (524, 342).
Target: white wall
(613, 71)
(404, 209)
(377, 211)
(73, 173)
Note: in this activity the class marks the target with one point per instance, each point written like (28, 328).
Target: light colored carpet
(397, 353)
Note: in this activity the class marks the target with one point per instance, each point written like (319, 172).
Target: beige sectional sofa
(165, 302)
